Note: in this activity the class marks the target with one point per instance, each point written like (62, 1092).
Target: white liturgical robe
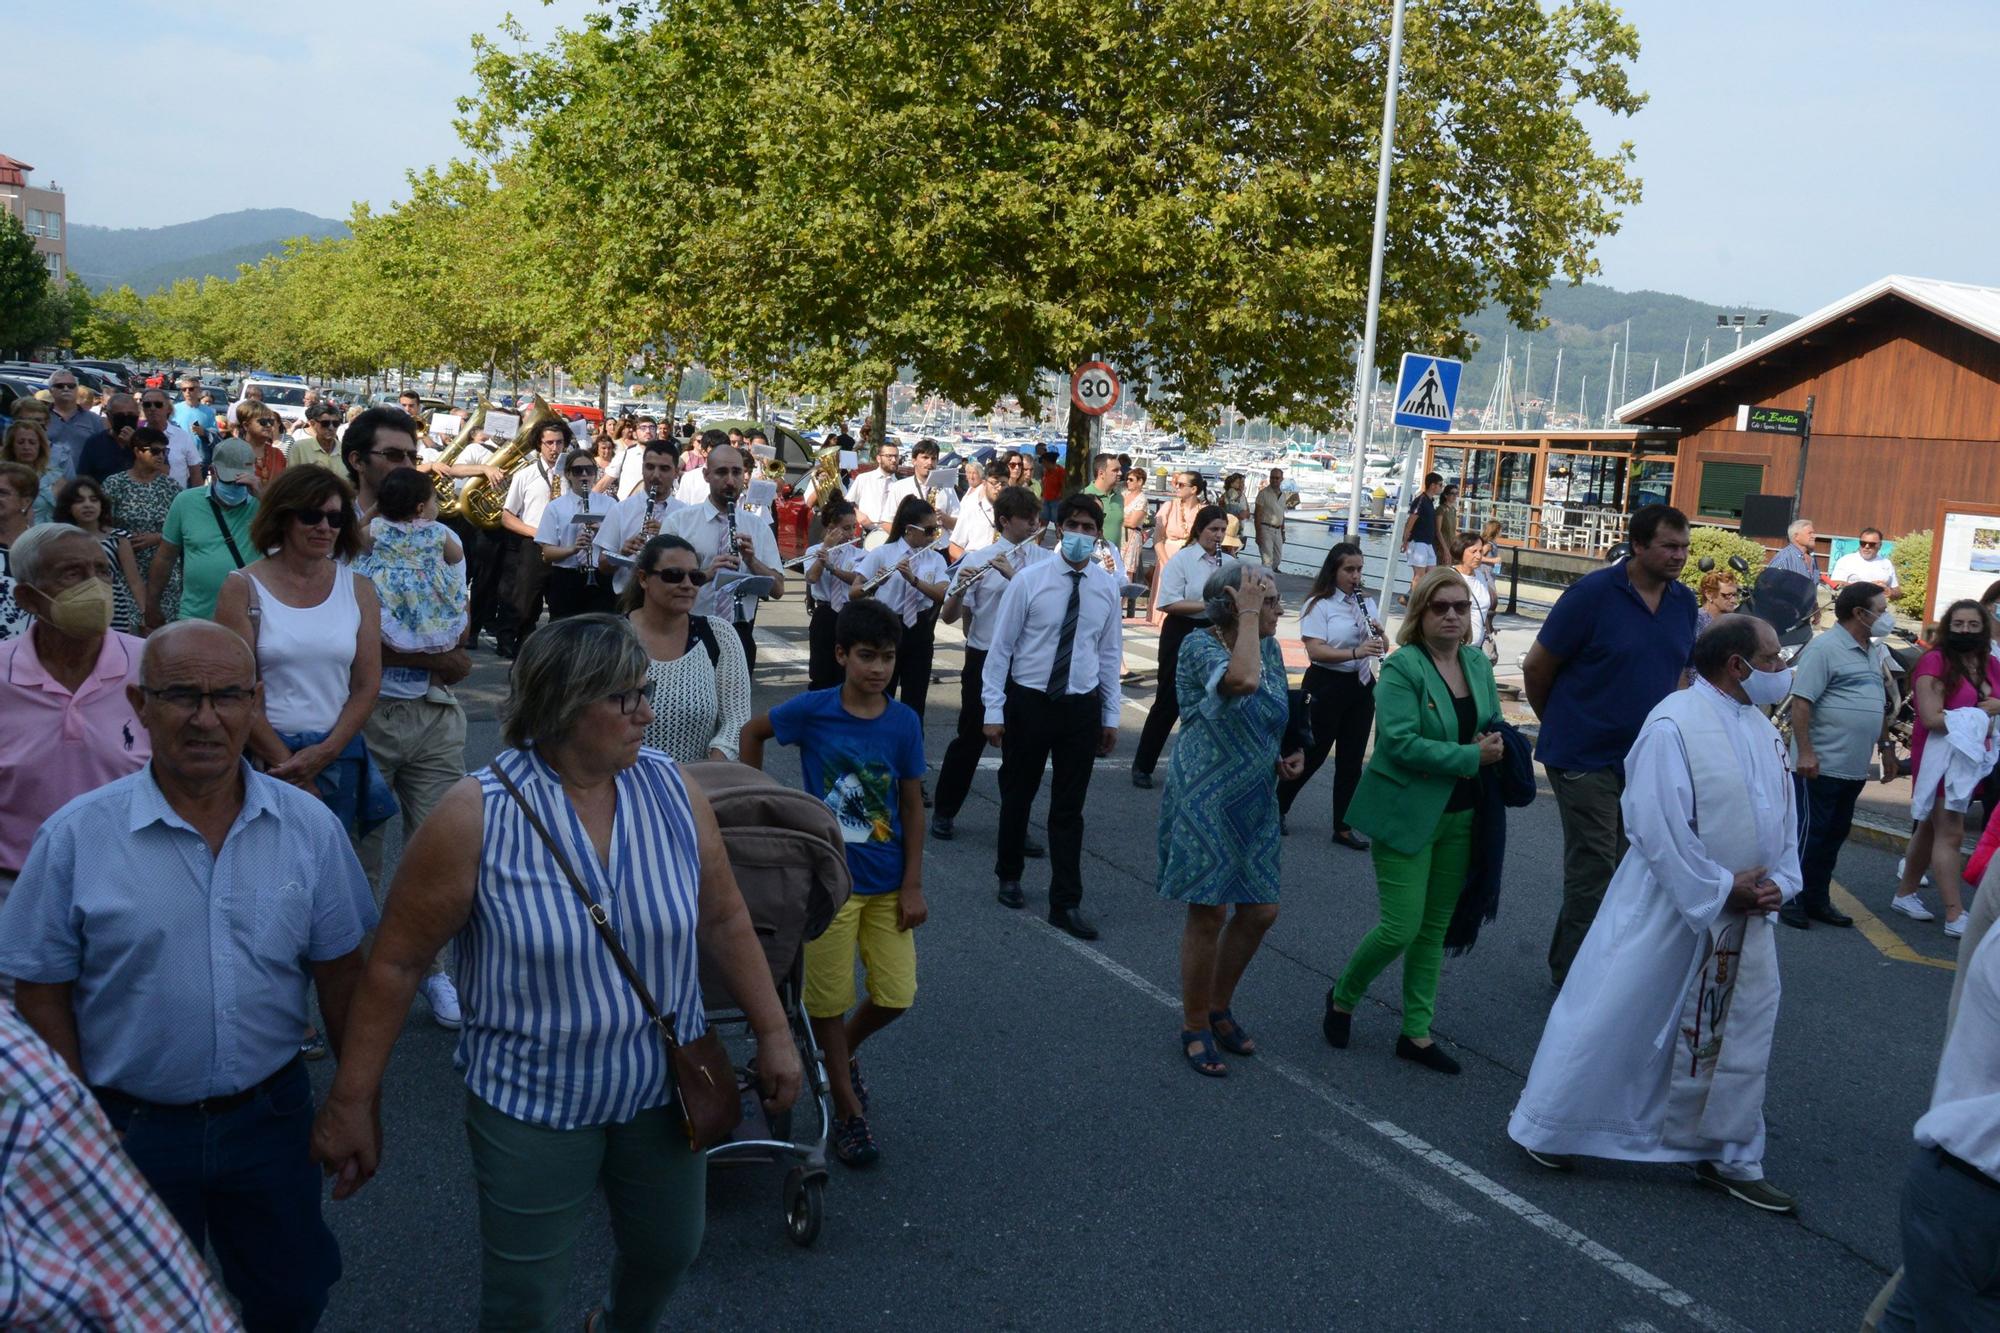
(1656, 1050)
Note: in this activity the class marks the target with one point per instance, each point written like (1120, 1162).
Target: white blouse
(898, 593)
(1342, 620)
(698, 707)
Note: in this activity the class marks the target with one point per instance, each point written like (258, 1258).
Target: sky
(1792, 150)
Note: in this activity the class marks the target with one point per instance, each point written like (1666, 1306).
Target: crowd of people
(228, 665)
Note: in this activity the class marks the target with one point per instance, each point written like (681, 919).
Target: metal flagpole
(1364, 363)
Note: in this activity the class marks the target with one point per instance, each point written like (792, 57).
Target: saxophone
(481, 500)
(447, 487)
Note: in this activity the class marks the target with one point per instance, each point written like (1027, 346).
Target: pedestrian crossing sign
(1426, 390)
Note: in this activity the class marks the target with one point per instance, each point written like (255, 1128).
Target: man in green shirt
(1104, 488)
(210, 525)
(320, 445)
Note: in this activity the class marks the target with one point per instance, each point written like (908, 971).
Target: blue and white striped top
(553, 1034)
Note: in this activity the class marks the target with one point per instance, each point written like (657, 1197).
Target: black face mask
(1960, 641)
(119, 421)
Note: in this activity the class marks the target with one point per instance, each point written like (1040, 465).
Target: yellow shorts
(867, 922)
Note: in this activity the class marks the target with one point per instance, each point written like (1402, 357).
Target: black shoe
(1033, 850)
(1010, 894)
(1794, 915)
(1347, 837)
(941, 827)
(1828, 914)
(507, 648)
(1142, 779)
(1335, 1025)
(1430, 1057)
(1073, 921)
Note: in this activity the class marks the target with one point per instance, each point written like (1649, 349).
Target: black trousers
(531, 577)
(484, 563)
(1166, 709)
(746, 634)
(1343, 709)
(912, 679)
(822, 670)
(1826, 813)
(1045, 730)
(968, 743)
(571, 593)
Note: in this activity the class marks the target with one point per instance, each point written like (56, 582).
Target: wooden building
(1555, 490)
(1905, 378)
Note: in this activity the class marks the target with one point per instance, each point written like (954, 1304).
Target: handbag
(703, 1082)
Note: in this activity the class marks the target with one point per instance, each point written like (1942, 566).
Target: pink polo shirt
(55, 745)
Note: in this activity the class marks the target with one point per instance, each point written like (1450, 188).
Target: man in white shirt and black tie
(730, 540)
(1051, 672)
(643, 514)
(923, 462)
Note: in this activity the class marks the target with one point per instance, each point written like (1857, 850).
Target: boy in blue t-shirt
(863, 754)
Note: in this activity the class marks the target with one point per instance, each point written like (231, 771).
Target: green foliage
(1718, 544)
(28, 316)
(1912, 562)
(111, 323)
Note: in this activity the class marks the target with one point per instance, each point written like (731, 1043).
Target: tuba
(825, 478)
(447, 487)
(481, 500)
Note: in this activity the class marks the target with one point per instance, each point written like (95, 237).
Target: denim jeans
(245, 1183)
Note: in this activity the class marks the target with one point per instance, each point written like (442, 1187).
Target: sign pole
(1404, 501)
(1365, 361)
(1805, 439)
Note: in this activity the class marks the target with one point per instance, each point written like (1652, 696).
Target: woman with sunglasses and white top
(694, 664)
(914, 592)
(579, 573)
(1340, 627)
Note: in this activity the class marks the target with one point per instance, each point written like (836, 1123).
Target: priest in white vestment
(1657, 1047)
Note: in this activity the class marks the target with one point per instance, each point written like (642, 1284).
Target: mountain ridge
(147, 258)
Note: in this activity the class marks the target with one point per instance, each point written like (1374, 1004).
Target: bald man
(162, 935)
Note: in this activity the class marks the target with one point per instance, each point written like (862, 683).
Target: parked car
(285, 397)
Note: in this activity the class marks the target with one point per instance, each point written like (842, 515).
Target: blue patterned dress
(1219, 815)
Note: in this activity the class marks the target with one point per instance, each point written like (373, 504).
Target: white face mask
(1768, 688)
(1882, 625)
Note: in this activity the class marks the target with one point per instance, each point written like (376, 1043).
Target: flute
(964, 579)
(803, 560)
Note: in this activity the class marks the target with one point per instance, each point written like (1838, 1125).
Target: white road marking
(1493, 1190)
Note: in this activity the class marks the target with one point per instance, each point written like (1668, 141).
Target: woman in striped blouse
(567, 1081)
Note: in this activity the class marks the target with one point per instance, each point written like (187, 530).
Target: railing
(1579, 528)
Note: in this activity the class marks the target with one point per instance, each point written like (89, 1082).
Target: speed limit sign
(1094, 388)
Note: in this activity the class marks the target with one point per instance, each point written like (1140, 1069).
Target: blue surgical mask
(231, 493)
(1077, 547)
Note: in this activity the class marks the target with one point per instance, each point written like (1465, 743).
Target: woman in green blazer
(1416, 800)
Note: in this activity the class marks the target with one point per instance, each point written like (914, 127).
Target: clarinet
(649, 526)
(589, 551)
(735, 599)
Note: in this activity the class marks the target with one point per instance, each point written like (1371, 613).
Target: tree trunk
(454, 383)
(1079, 465)
(878, 419)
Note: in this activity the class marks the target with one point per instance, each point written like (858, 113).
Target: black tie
(1066, 641)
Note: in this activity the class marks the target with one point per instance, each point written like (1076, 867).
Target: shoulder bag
(703, 1083)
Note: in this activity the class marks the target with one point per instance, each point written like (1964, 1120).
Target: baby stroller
(791, 866)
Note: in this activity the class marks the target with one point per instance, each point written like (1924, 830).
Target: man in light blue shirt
(162, 936)
(194, 417)
(1797, 554)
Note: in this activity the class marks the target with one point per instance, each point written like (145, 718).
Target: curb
(1876, 835)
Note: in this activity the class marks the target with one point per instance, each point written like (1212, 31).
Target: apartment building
(40, 211)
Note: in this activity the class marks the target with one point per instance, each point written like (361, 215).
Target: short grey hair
(563, 668)
(1796, 526)
(975, 472)
(1216, 602)
(24, 559)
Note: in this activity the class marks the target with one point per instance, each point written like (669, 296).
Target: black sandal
(1236, 1041)
(1203, 1059)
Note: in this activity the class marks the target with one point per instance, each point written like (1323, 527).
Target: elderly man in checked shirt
(162, 936)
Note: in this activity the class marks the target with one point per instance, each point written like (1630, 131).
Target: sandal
(859, 1084)
(1202, 1059)
(1236, 1041)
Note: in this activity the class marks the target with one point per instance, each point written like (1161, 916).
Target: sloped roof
(1963, 303)
(13, 171)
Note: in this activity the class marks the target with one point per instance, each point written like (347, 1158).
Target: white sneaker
(442, 997)
(1924, 882)
(1912, 906)
(1956, 926)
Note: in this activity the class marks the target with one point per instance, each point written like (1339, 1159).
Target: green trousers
(1418, 895)
(535, 1185)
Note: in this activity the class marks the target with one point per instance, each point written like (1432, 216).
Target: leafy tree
(27, 315)
(111, 323)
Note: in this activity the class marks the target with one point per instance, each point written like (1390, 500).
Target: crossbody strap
(228, 539)
(598, 917)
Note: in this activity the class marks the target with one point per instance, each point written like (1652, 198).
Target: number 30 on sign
(1094, 388)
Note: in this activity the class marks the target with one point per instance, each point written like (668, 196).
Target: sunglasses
(1450, 608)
(1870, 546)
(407, 457)
(312, 518)
(674, 577)
(153, 449)
(583, 472)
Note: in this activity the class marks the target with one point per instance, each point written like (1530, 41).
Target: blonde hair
(34, 428)
(1412, 629)
(1711, 583)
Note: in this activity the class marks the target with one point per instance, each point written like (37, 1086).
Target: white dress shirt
(528, 491)
(975, 527)
(563, 522)
(1187, 573)
(942, 498)
(1341, 620)
(183, 453)
(706, 528)
(628, 470)
(627, 518)
(827, 588)
(981, 603)
(1028, 625)
(898, 593)
(1964, 1118)
(870, 494)
(693, 488)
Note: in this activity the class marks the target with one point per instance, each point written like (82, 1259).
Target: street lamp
(1738, 322)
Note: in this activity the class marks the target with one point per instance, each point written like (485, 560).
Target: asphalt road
(1049, 1162)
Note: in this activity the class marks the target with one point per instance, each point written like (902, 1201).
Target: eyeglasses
(147, 449)
(187, 699)
(1871, 546)
(931, 531)
(407, 457)
(671, 577)
(628, 701)
(583, 472)
(155, 404)
(314, 517)
(1450, 608)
